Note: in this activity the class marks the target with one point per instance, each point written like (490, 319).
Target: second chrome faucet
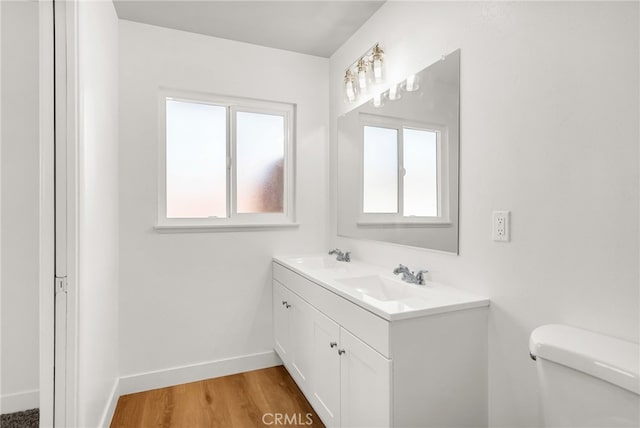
(340, 256)
(409, 276)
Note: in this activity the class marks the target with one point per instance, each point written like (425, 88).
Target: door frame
(46, 235)
(66, 225)
(58, 124)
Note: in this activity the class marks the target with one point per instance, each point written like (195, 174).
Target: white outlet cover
(500, 226)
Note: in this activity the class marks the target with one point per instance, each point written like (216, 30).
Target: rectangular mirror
(398, 162)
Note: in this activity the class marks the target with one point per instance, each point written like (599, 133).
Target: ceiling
(311, 27)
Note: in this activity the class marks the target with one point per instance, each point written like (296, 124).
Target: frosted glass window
(196, 160)
(380, 170)
(225, 162)
(420, 155)
(260, 148)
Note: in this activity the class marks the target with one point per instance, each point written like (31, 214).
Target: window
(403, 172)
(225, 162)
(380, 172)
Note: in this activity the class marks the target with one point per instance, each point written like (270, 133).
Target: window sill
(212, 228)
(391, 223)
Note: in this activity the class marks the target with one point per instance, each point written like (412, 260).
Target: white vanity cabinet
(325, 391)
(351, 381)
(358, 369)
(281, 324)
(293, 321)
(347, 382)
(365, 384)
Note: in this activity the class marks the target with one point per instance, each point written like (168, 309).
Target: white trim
(238, 221)
(195, 372)
(1, 198)
(109, 410)
(72, 126)
(405, 222)
(20, 401)
(196, 228)
(46, 215)
(184, 374)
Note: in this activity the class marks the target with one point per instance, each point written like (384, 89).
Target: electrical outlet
(501, 226)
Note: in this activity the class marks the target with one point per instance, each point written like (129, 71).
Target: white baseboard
(19, 401)
(184, 374)
(192, 373)
(107, 415)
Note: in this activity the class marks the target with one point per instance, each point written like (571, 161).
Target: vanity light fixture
(350, 86)
(368, 70)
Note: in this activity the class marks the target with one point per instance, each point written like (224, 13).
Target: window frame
(442, 174)
(234, 220)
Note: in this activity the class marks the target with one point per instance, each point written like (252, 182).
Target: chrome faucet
(411, 277)
(340, 256)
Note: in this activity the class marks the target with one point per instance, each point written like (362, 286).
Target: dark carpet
(26, 419)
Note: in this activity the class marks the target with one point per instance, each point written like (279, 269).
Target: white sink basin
(376, 290)
(315, 262)
(320, 263)
(381, 288)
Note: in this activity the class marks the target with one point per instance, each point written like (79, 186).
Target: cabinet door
(326, 370)
(300, 341)
(281, 297)
(365, 384)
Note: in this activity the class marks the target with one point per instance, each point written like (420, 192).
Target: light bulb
(377, 100)
(351, 93)
(412, 83)
(362, 80)
(362, 75)
(349, 87)
(394, 92)
(377, 64)
(377, 70)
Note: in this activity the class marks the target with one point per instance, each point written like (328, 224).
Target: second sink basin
(323, 264)
(380, 288)
(315, 262)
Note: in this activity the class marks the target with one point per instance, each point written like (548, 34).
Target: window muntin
(225, 161)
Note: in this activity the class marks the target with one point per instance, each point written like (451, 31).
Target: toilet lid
(605, 357)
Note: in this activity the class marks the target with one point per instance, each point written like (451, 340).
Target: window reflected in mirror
(401, 175)
(380, 167)
(420, 163)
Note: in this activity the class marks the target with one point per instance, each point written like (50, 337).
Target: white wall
(97, 210)
(20, 362)
(188, 298)
(549, 130)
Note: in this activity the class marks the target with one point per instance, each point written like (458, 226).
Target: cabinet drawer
(365, 325)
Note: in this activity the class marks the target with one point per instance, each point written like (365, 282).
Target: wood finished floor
(236, 401)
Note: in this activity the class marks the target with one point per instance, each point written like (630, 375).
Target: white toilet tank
(586, 379)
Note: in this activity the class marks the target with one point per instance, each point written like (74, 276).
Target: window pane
(421, 174)
(260, 163)
(380, 170)
(196, 160)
